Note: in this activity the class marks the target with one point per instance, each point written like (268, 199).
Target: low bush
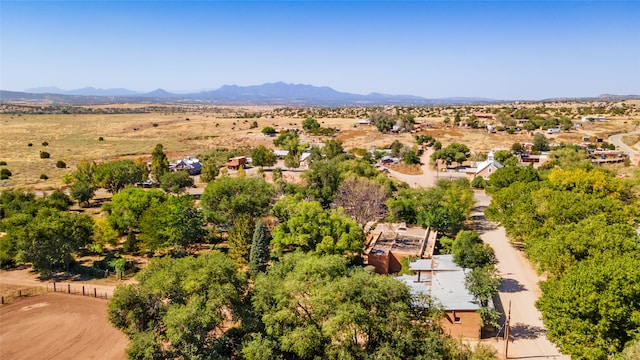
(43, 177)
(44, 155)
(3, 163)
(4, 173)
(61, 164)
(44, 143)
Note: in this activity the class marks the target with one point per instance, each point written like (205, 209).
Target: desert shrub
(254, 125)
(44, 155)
(43, 177)
(61, 164)
(268, 130)
(155, 124)
(4, 173)
(44, 143)
(3, 163)
(30, 144)
(100, 138)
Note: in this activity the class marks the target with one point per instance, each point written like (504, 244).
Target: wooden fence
(9, 296)
(84, 290)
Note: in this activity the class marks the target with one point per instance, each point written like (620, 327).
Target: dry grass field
(74, 137)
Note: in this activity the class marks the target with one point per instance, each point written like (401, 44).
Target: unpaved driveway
(519, 280)
(519, 288)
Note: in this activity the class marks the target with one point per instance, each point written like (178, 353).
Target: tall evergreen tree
(159, 163)
(259, 254)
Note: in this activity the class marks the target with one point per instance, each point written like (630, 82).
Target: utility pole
(506, 333)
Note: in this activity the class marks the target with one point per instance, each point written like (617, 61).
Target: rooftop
(445, 285)
(398, 237)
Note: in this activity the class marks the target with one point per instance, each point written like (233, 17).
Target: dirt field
(58, 326)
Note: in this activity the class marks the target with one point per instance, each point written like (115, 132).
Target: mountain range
(278, 93)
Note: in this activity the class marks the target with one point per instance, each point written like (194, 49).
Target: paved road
(617, 141)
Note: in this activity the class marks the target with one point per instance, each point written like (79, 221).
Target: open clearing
(58, 326)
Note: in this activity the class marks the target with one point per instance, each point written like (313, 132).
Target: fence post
(69, 288)
(82, 290)
(3, 300)
(20, 293)
(95, 292)
(54, 286)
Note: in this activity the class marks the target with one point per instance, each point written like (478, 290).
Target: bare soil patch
(58, 326)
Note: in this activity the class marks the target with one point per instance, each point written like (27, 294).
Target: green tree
(455, 152)
(210, 170)
(50, 239)
(292, 161)
(259, 254)
(332, 148)
(128, 206)
(103, 234)
(239, 239)
(323, 180)
(310, 124)
(171, 223)
(316, 307)
(504, 177)
(505, 158)
(226, 198)
(175, 182)
(116, 175)
(310, 228)
(83, 184)
(483, 283)
(469, 251)
(261, 156)
(384, 122)
(181, 308)
(159, 163)
(540, 143)
(83, 192)
(592, 311)
(396, 148)
(411, 158)
(517, 148)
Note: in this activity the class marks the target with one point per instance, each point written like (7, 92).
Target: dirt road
(519, 284)
(519, 288)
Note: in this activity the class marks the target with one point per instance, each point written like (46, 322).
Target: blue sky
(493, 49)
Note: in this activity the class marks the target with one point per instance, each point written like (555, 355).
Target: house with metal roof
(443, 280)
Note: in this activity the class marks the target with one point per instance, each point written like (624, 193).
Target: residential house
(191, 165)
(388, 244)
(235, 162)
(443, 280)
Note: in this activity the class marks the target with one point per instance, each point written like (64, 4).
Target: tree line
(578, 224)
